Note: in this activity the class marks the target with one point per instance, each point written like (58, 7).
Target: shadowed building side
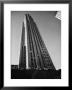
(22, 59)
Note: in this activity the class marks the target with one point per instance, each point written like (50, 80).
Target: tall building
(35, 52)
(22, 59)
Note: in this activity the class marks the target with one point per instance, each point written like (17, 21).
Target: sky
(50, 30)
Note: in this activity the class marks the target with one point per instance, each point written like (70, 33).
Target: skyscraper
(34, 55)
(22, 61)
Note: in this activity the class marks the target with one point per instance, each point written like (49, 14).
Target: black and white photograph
(35, 45)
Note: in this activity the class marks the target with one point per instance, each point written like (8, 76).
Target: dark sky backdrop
(49, 27)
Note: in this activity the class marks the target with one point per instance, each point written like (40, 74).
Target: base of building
(35, 74)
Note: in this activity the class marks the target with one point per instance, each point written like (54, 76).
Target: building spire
(22, 59)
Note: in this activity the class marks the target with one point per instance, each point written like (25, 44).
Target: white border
(64, 8)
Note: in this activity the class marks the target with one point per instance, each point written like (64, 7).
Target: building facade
(38, 56)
